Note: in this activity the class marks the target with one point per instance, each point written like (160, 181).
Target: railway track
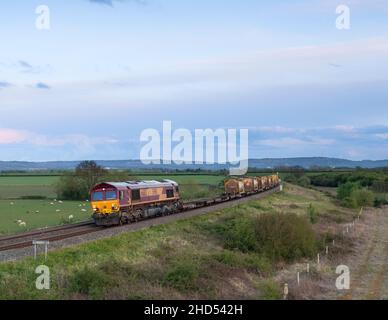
(24, 240)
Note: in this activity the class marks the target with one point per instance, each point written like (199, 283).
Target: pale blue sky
(87, 87)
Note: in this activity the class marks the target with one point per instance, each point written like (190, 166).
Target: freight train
(117, 203)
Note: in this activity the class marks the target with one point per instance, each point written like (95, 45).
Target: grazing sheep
(60, 201)
(83, 210)
(37, 211)
(19, 221)
(22, 224)
(58, 210)
(52, 203)
(11, 203)
(71, 217)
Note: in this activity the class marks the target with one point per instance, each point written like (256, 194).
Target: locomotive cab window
(111, 195)
(135, 194)
(98, 196)
(170, 193)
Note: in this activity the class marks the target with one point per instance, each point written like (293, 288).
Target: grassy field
(188, 259)
(14, 188)
(39, 213)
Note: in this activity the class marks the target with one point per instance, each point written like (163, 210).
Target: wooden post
(308, 268)
(327, 250)
(318, 259)
(333, 242)
(298, 278)
(285, 291)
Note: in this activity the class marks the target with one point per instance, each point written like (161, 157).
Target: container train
(117, 203)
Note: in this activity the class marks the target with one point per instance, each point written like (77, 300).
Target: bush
(312, 214)
(362, 198)
(182, 274)
(304, 181)
(345, 190)
(276, 236)
(89, 282)
(284, 236)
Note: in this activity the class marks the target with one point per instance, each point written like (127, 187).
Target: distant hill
(268, 163)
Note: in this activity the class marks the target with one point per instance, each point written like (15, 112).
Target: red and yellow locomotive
(116, 203)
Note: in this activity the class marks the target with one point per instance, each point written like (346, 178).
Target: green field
(14, 188)
(39, 213)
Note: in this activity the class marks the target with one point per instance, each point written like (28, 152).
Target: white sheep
(19, 221)
(71, 217)
(22, 224)
(11, 203)
(58, 210)
(52, 203)
(83, 210)
(37, 211)
(60, 201)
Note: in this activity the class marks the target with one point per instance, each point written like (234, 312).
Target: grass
(39, 213)
(13, 187)
(180, 260)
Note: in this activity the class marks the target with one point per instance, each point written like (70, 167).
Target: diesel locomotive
(116, 203)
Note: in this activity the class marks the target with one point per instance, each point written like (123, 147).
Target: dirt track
(369, 266)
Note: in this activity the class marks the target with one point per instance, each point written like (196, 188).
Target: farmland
(31, 197)
(213, 256)
(39, 213)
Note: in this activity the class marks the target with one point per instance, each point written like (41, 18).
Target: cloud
(15, 136)
(342, 141)
(4, 84)
(25, 64)
(9, 136)
(41, 85)
(26, 67)
(110, 3)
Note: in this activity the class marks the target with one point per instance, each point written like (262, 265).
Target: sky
(108, 69)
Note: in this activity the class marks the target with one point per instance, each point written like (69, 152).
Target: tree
(90, 172)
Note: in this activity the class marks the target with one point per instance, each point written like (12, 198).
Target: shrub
(182, 274)
(282, 236)
(312, 214)
(345, 190)
(88, 281)
(304, 181)
(270, 290)
(362, 198)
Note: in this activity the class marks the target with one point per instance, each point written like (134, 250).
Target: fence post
(285, 291)
(327, 250)
(298, 277)
(308, 268)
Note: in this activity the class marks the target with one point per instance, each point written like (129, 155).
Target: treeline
(354, 189)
